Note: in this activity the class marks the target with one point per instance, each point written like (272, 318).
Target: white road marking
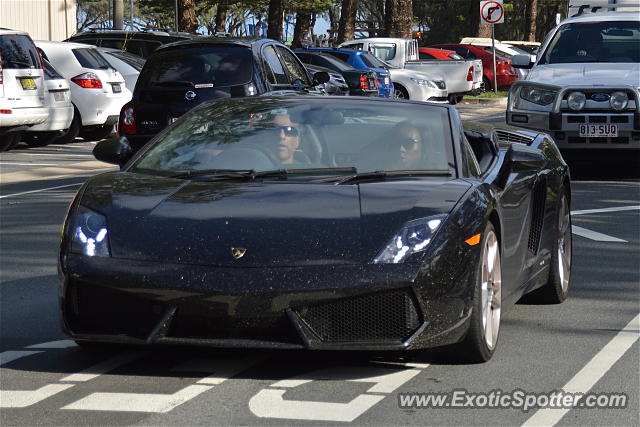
(55, 344)
(270, 403)
(39, 190)
(24, 398)
(616, 209)
(591, 373)
(594, 235)
(221, 371)
(11, 355)
(29, 164)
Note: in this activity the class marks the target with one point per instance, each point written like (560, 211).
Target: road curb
(494, 102)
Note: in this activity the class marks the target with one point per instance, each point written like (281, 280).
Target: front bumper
(364, 307)
(425, 93)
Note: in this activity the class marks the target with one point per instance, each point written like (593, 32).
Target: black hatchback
(181, 75)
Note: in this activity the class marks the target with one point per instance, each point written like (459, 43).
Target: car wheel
(556, 289)
(486, 84)
(38, 139)
(73, 131)
(455, 99)
(96, 133)
(399, 92)
(482, 336)
(9, 140)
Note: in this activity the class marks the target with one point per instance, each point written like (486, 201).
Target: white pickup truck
(460, 76)
(584, 86)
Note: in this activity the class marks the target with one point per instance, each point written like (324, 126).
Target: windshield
(274, 133)
(594, 42)
(384, 52)
(91, 58)
(219, 65)
(372, 62)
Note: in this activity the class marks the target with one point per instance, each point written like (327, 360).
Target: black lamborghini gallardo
(316, 223)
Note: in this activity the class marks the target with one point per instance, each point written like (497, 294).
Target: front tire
(400, 92)
(96, 133)
(9, 140)
(482, 337)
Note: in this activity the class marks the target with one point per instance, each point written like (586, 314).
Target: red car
(506, 74)
(431, 53)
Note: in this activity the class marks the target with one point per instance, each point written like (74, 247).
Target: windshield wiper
(231, 174)
(382, 175)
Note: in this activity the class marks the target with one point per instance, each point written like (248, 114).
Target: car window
(134, 61)
(274, 69)
(341, 56)
(385, 52)
(248, 133)
(136, 47)
(217, 65)
(424, 55)
(373, 62)
(295, 69)
(90, 58)
(18, 51)
(354, 46)
(50, 73)
(455, 56)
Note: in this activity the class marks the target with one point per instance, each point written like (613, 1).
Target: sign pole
(493, 49)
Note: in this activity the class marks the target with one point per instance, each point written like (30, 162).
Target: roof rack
(595, 6)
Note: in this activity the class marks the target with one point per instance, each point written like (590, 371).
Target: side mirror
(525, 159)
(320, 77)
(523, 61)
(116, 150)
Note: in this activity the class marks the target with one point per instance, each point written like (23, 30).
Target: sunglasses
(288, 130)
(408, 143)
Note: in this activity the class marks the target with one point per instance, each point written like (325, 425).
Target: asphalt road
(589, 343)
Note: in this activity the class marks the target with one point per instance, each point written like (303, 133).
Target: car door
(294, 67)
(277, 77)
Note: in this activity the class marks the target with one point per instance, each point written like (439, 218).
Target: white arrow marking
(618, 209)
(24, 398)
(269, 403)
(162, 403)
(594, 235)
(591, 373)
(11, 355)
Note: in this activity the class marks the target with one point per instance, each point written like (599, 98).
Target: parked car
(142, 43)
(335, 86)
(58, 101)
(181, 75)
(502, 49)
(363, 61)
(529, 47)
(583, 85)
(22, 86)
(207, 236)
(506, 74)
(361, 82)
(432, 53)
(128, 64)
(461, 77)
(405, 84)
(98, 91)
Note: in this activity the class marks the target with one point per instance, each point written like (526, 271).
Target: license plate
(116, 88)
(386, 81)
(58, 96)
(599, 131)
(28, 83)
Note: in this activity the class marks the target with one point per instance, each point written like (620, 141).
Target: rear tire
(38, 139)
(482, 337)
(486, 84)
(9, 140)
(96, 133)
(73, 131)
(455, 99)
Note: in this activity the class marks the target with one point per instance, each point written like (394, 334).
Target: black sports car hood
(278, 223)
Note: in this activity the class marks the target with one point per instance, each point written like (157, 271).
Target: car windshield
(217, 65)
(261, 134)
(607, 41)
(373, 62)
(17, 51)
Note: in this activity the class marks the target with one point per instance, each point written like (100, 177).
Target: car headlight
(537, 95)
(88, 231)
(414, 237)
(428, 83)
(576, 100)
(619, 100)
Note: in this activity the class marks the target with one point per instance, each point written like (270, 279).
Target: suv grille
(386, 316)
(510, 137)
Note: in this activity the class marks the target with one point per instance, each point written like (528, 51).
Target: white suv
(22, 86)
(584, 85)
(98, 91)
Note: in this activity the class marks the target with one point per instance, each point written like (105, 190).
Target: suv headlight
(537, 95)
(576, 100)
(618, 100)
(428, 83)
(88, 231)
(412, 238)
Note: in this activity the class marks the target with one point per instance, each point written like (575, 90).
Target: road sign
(491, 12)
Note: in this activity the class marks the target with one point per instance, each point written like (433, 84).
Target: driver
(284, 139)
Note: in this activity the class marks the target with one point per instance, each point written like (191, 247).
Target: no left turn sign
(491, 12)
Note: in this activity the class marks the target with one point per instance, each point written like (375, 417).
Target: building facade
(42, 19)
